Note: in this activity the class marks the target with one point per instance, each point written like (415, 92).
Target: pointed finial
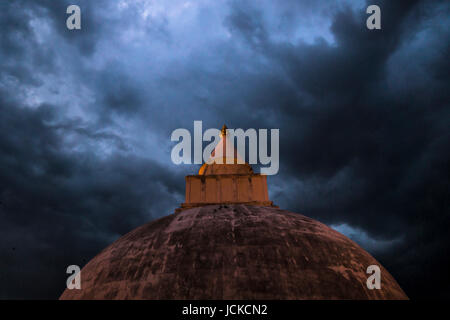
(223, 132)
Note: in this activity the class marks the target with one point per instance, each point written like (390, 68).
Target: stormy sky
(86, 118)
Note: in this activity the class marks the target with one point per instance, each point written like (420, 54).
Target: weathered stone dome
(232, 252)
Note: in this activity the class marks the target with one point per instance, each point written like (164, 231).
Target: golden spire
(223, 132)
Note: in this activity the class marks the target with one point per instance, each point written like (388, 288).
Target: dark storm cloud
(87, 116)
(118, 93)
(58, 208)
(370, 151)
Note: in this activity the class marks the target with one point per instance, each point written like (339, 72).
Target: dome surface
(232, 252)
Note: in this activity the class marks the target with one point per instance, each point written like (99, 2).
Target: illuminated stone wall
(229, 188)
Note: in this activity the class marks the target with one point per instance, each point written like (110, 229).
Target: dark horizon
(86, 118)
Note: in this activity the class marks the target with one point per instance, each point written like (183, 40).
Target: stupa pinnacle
(224, 179)
(223, 131)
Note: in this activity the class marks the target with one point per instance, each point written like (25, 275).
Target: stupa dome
(233, 251)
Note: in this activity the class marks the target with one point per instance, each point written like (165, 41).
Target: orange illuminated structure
(226, 178)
